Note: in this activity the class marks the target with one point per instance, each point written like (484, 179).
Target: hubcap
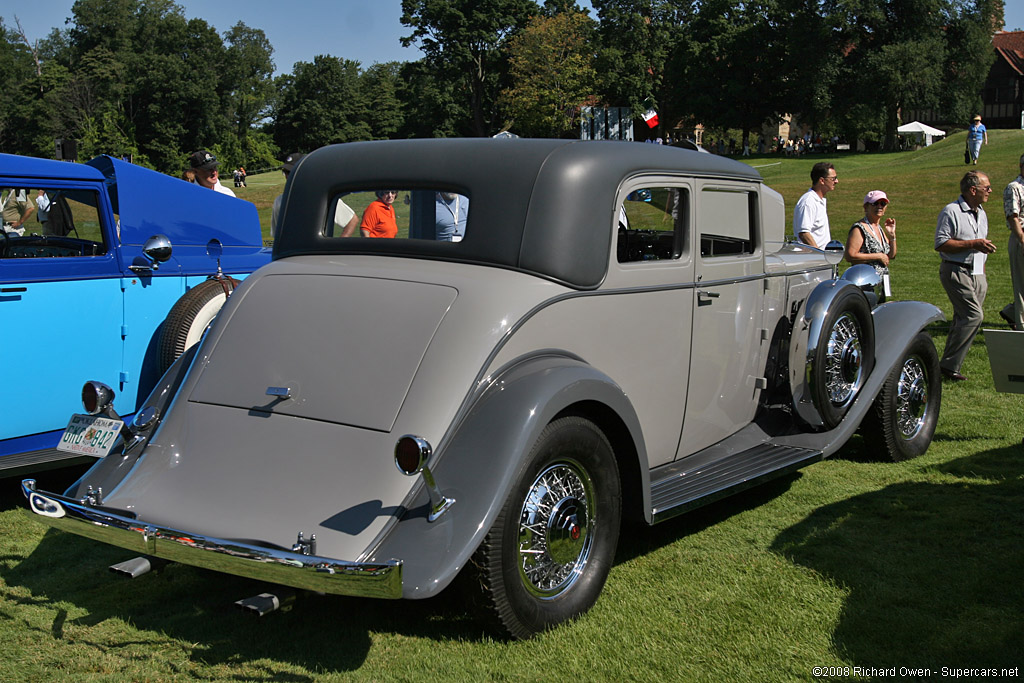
(911, 398)
(556, 529)
(844, 360)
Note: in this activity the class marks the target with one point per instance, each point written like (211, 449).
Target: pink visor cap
(874, 196)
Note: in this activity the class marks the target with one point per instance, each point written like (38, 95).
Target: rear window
(422, 214)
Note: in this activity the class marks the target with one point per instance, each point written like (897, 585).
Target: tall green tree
(18, 108)
(321, 103)
(969, 56)
(383, 91)
(638, 40)
(551, 68)
(248, 76)
(733, 69)
(899, 54)
(462, 42)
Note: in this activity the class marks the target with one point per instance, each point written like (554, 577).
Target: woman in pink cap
(871, 240)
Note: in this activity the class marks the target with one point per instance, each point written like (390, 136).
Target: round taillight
(411, 453)
(96, 397)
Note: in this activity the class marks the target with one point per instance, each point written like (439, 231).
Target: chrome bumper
(323, 574)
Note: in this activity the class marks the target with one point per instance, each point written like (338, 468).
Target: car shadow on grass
(639, 539)
(67, 574)
(933, 570)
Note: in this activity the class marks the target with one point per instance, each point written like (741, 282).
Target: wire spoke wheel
(549, 551)
(555, 529)
(844, 366)
(911, 398)
(901, 423)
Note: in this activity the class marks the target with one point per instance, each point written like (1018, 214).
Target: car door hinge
(124, 377)
(124, 283)
(124, 331)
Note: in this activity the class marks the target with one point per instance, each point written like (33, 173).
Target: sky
(366, 31)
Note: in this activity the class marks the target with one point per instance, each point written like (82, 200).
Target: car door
(728, 340)
(61, 307)
(647, 329)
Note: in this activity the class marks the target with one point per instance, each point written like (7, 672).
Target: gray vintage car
(622, 331)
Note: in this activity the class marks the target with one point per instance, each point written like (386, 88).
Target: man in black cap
(204, 166)
(345, 219)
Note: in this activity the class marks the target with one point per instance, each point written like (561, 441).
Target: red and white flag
(651, 118)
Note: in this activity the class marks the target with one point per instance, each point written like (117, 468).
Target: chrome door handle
(708, 295)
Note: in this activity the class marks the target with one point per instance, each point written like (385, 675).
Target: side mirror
(157, 250)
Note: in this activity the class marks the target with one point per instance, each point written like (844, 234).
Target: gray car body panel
(481, 459)
(285, 420)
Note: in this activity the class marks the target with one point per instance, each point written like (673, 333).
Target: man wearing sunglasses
(379, 217)
(810, 217)
(961, 238)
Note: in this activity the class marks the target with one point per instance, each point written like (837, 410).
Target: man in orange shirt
(379, 217)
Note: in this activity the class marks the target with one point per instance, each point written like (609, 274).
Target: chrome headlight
(97, 397)
(867, 280)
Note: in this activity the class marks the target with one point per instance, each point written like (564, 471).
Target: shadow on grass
(319, 633)
(322, 633)
(933, 570)
(639, 539)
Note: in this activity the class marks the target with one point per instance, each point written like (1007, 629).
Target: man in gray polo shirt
(961, 238)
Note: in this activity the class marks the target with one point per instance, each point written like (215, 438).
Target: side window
(727, 222)
(653, 224)
(51, 222)
(423, 214)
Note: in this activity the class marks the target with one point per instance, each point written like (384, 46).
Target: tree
(898, 54)
(969, 56)
(637, 39)
(321, 103)
(250, 87)
(728, 38)
(462, 42)
(552, 73)
(383, 89)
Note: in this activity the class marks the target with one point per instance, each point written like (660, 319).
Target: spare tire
(189, 318)
(844, 357)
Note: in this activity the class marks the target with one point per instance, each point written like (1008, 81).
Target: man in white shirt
(204, 165)
(810, 217)
(345, 219)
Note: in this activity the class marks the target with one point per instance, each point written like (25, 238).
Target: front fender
(804, 345)
(896, 325)
(479, 461)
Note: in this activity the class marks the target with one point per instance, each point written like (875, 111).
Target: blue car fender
(481, 458)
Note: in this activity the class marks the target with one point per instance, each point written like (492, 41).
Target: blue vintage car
(123, 270)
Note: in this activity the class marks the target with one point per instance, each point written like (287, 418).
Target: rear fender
(479, 461)
(111, 470)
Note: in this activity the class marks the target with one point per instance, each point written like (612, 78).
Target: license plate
(90, 435)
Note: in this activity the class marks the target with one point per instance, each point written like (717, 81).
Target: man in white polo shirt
(810, 218)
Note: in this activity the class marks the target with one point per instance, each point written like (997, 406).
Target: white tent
(918, 128)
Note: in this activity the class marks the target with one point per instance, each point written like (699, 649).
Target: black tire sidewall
(182, 318)
(578, 442)
(897, 447)
(849, 300)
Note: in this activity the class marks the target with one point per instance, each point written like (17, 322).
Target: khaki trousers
(967, 294)
(1015, 309)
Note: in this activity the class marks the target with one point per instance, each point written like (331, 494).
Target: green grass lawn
(850, 564)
